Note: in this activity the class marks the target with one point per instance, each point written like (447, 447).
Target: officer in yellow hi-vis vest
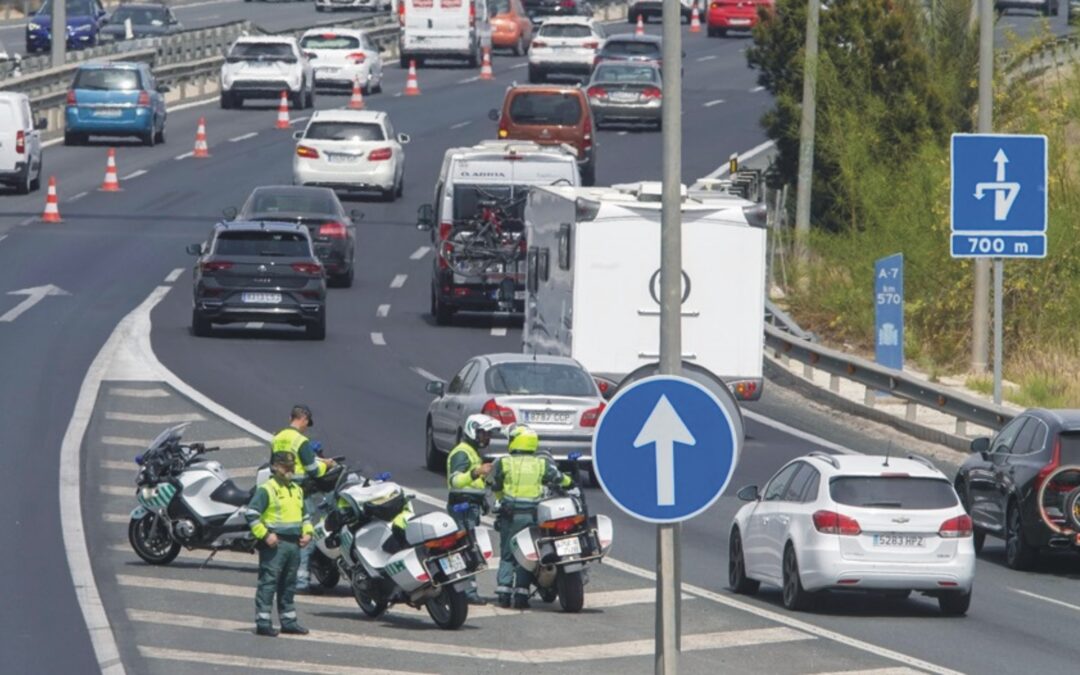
(518, 481)
(279, 520)
(466, 474)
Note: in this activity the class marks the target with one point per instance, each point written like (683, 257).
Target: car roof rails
(825, 457)
(924, 461)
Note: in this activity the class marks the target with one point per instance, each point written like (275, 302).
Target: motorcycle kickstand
(208, 559)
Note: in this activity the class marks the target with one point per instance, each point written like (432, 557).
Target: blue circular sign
(665, 449)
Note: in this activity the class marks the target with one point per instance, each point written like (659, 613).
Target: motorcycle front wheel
(151, 540)
(571, 591)
(448, 609)
(324, 569)
(370, 605)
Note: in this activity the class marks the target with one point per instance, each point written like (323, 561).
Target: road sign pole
(999, 283)
(981, 306)
(803, 189)
(58, 34)
(668, 593)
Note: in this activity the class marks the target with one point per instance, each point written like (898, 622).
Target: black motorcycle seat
(228, 493)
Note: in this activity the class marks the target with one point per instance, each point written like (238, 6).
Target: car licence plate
(740, 22)
(341, 159)
(261, 298)
(108, 112)
(625, 96)
(568, 546)
(899, 540)
(548, 417)
(452, 563)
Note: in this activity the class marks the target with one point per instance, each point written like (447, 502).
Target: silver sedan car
(556, 396)
(626, 92)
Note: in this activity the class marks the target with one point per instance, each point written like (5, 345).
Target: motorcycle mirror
(461, 507)
(383, 477)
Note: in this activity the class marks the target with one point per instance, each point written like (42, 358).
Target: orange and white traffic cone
(52, 209)
(111, 182)
(412, 88)
(202, 151)
(640, 30)
(485, 67)
(695, 20)
(283, 112)
(356, 101)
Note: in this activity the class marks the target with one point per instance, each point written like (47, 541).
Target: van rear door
(10, 126)
(438, 25)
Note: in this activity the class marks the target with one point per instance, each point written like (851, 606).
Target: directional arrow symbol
(1001, 160)
(664, 428)
(33, 296)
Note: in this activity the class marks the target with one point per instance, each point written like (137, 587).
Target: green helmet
(523, 439)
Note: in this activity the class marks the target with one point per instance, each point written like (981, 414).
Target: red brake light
(472, 13)
(333, 230)
(745, 389)
(602, 386)
(305, 151)
(590, 417)
(567, 4)
(401, 13)
(144, 99)
(314, 269)
(357, 57)
(563, 525)
(20, 142)
(446, 246)
(539, 43)
(589, 45)
(587, 135)
(502, 413)
(597, 92)
(831, 522)
(652, 92)
(504, 127)
(215, 266)
(1055, 462)
(329, 36)
(955, 528)
(71, 97)
(445, 542)
(380, 155)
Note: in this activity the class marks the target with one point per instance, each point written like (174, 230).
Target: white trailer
(593, 280)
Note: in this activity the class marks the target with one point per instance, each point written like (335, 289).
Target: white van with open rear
(20, 143)
(443, 29)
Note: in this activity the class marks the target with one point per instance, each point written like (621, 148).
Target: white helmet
(475, 423)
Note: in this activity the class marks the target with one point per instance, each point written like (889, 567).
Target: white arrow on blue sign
(665, 449)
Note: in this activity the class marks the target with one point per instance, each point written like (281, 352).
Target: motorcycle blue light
(460, 508)
(574, 456)
(384, 476)
(138, 459)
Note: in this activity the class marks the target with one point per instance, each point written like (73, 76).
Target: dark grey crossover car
(258, 271)
(148, 20)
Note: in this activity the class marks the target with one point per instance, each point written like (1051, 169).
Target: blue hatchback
(84, 21)
(115, 99)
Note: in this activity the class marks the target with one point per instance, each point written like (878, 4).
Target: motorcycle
(558, 549)
(431, 568)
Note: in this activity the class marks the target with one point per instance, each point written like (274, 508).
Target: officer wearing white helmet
(466, 473)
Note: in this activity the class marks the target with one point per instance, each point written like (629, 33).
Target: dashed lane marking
(378, 340)
(461, 125)
(710, 57)
(757, 89)
(875, 671)
(228, 557)
(243, 137)
(154, 419)
(3, 237)
(255, 664)
(382, 311)
(139, 393)
(709, 104)
(419, 253)
(224, 443)
(1052, 601)
(518, 65)
(622, 133)
(27, 221)
(77, 197)
(117, 519)
(498, 331)
(399, 280)
(467, 80)
(117, 490)
(174, 275)
(234, 472)
(134, 174)
(185, 155)
(426, 375)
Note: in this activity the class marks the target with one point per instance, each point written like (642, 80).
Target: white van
(493, 177)
(451, 29)
(20, 143)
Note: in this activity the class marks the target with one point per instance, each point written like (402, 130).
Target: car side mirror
(297, 135)
(425, 217)
(435, 388)
(403, 139)
(164, 89)
(41, 123)
(194, 249)
(356, 215)
(980, 445)
(493, 115)
(229, 213)
(748, 493)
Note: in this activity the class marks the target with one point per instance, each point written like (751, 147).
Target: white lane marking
(138, 393)
(709, 104)
(185, 155)
(752, 152)
(467, 80)
(226, 557)
(235, 472)
(623, 133)
(33, 297)
(134, 174)
(77, 197)
(874, 671)
(397, 95)
(244, 137)
(3, 237)
(461, 125)
(710, 57)
(378, 340)
(116, 519)
(382, 311)
(757, 89)
(254, 664)
(430, 377)
(27, 221)
(798, 433)
(1052, 601)
(117, 490)
(141, 418)
(518, 65)
(174, 275)
(420, 253)
(498, 331)
(223, 443)
(399, 280)
(253, 325)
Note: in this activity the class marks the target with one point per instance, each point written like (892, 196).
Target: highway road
(115, 249)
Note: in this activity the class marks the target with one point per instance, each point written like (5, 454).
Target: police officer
(278, 518)
(292, 439)
(518, 481)
(466, 475)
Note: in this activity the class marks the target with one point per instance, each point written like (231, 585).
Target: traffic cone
(640, 30)
(52, 210)
(695, 20)
(356, 101)
(283, 112)
(201, 149)
(485, 67)
(111, 183)
(411, 86)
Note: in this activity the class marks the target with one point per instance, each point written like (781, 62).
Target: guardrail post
(910, 411)
(808, 371)
(834, 383)
(961, 427)
(869, 396)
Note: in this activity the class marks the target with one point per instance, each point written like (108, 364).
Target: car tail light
(597, 92)
(445, 542)
(20, 142)
(652, 92)
(602, 386)
(314, 269)
(333, 230)
(472, 14)
(144, 99)
(504, 127)
(380, 155)
(329, 36)
(591, 45)
(563, 525)
(539, 43)
(357, 57)
(500, 412)
(956, 528)
(401, 13)
(215, 266)
(587, 136)
(71, 99)
(591, 416)
(1055, 462)
(831, 522)
(305, 151)
(745, 389)
(445, 246)
(567, 4)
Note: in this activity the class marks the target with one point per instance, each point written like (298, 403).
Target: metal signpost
(889, 311)
(58, 33)
(999, 207)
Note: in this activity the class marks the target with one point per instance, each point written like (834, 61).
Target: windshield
(616, 73)
(344, 131)
(551, 379)
(294, 201)
(141, 16)
(72, 7)
(632, 48)
(543, 108)
(170, 435)
(107, 79)
(496, 7)
(470, 199)
(892, 492)
(565, 30)
(265, 51)
(330, 41)
(284, 244)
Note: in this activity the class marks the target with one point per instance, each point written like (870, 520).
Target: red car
(741, 15)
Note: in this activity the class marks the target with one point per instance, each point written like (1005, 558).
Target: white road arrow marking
(664, 428)
(33, 297)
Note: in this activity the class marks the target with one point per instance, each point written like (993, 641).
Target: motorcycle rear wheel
(571, 591)
(448, 609)
(156, 548)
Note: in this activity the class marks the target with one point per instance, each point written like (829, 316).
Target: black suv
(258, 271)
(1001, 483)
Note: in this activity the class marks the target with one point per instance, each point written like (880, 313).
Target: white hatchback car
(259, 66)
(564, 45)
(342, 56)
(351, 151)
(854, 522)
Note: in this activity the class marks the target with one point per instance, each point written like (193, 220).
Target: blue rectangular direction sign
(998, 183)
(981, 245)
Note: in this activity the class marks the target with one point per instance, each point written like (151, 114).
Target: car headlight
(33, 26)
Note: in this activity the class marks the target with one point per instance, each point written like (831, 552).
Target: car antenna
(888, 451)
